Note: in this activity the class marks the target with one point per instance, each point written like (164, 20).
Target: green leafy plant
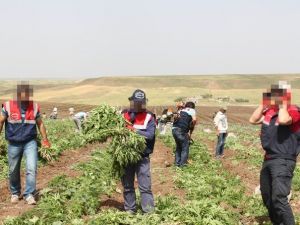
(126, 146)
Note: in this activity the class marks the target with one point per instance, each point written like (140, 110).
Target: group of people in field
(182, 123)
(78, 118)
(280, 138)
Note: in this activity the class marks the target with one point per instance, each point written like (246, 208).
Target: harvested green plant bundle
(126, 146)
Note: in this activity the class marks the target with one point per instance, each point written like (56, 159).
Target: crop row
(62, 136)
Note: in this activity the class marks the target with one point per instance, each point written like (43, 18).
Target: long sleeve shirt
(220, 122)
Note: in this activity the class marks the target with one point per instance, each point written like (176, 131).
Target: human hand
(266, 101)
(46, 143)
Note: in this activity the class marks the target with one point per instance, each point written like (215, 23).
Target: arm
(149, 133)
(193, 124)
(42, 129)
(226, 123)
(216, 123)
(194, 121)
(284, 117)
(257, 116)
(2, 121)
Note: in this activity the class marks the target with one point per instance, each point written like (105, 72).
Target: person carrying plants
(141, 121)
(21, 116)
(221, 124)
(280, 139)
(182, 130)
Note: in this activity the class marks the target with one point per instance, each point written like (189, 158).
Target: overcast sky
(88, 38)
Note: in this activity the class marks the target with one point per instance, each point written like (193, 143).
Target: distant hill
(160, 90)
(214, 82)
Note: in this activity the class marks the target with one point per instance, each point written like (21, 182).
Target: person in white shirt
(78, 118)
(54, 114)
(221, 125)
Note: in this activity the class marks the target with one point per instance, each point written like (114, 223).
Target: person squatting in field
(142, 122)
(21, 117)
(165, 121)
(54, 114)
(78, 119)
(221, 124)
(183, 126)
(280, 139)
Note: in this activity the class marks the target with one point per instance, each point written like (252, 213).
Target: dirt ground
(249, 177)
(237, 114)
(161, 175)
(45, 174)
(161, 172)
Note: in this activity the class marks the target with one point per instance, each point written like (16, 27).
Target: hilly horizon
(160, 90)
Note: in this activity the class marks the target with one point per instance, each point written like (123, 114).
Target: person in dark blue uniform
(280, 139)
(22, 117)
(142, 122)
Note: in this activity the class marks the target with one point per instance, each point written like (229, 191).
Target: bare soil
(46, 173)
(162, 176)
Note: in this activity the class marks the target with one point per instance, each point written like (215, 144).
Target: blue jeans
(142, 170)
(15, 154)
(220, 144)
(182, 146)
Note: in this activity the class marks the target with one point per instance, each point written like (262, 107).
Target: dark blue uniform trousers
(142, 170)
(275, 184)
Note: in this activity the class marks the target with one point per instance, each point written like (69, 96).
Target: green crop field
(79, 177)
(211, 192)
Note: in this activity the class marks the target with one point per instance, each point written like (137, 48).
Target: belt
(280, 156)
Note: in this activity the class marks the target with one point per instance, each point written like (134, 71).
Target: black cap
(138, 96)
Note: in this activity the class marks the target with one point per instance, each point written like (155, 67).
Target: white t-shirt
(81, 115)
(220, 122)
(190, 111)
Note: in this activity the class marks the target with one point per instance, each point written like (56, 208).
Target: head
(223, 109)
(278, 94)
(55, 109)
(71, 111)
(24, 92)
(180, 105)
(190, 105)
(138, 101)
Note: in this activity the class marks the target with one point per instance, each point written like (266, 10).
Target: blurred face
(279, 96)
(137, 106)
(276, 96)
(24, 92)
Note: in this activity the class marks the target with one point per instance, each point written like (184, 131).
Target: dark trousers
(182, 146)
(142, 170)
(220, 144)
(275, 184)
